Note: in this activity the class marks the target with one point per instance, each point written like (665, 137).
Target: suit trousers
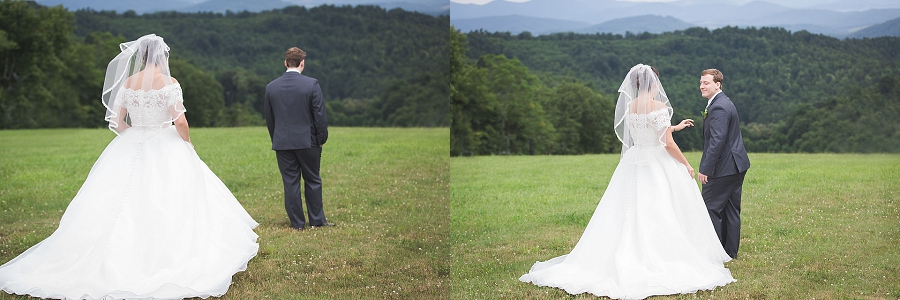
(723, 201)
(294, 165)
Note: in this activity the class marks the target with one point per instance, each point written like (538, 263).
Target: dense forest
(376, 67)
(795, 92)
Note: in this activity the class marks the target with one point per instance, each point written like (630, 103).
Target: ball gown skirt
(650, 235)
(151, 221)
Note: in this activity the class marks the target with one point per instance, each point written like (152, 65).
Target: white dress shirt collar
(713, 97)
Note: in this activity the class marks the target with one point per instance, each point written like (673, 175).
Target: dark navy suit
(725, 163)
(298, 126)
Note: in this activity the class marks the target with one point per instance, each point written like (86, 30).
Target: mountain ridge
(639, 24)
(431, 7)
(828, 20)
(889, 28)
(539, 26)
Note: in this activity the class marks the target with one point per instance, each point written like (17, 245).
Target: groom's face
(708, 87)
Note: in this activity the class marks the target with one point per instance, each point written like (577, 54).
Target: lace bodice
(152, 108)
(648, 129)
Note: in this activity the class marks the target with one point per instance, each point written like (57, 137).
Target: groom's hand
(703, 179)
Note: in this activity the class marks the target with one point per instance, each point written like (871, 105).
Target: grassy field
(387, 190)
(814, 226)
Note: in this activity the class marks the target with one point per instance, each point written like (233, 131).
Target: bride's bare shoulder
(157, 81)
(130, 82)
(659, 104)
(649, 106)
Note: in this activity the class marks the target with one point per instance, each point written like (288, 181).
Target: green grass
(814, 226)
(819, 226)
(387, 190)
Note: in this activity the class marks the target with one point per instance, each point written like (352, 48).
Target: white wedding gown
(150, 222)
(651, 233)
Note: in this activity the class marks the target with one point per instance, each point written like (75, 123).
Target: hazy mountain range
(432, 7)
(548, 16)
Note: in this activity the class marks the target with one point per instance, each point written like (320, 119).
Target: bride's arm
(181, 125)
(684, 123)
(120, 120)
(675, 152)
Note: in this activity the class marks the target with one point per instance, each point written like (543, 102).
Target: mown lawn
(814, 226)
(387, 189)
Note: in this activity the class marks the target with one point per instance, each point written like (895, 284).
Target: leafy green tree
(861, 120)
(242, 86)
(351, 112)
(203, 97)
(472, 107)
(33, 43)
(53, 79)
(85, 68)
(583, 120)
(391, 62)
(242, 114)
(521, 122)
(780, 81)
(419, 102)
(362, 52)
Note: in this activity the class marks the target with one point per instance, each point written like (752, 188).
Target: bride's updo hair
(636, 77)
(153, 51)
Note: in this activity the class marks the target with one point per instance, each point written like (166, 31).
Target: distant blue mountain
(540, 26)
(221, 6)
(857, 5)
(889, 28)
(139, 6)
(432, 7)
(835, 19)
(518, 24)
(639, 24)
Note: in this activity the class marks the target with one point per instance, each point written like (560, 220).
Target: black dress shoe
(324, 225)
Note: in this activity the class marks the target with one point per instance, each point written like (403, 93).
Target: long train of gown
(650, 235)
(150, 221)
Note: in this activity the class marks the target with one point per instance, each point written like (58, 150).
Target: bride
(151, 220)
(651, 233)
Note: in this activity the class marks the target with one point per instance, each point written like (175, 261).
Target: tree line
(498, 106)
(377, 67)
(788, 87)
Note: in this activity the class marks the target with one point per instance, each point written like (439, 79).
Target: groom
(724, 162)
(298, 127)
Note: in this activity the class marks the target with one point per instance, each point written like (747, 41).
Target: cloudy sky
(787, 3)
(486, 1)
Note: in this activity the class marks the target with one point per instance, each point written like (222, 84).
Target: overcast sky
(787, 3)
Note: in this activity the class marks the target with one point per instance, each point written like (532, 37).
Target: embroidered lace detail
(648, 129)
(152, 108)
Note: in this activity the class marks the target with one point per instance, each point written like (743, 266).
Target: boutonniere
(704, 113)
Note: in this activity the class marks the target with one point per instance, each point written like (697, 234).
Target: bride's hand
(684, 123)
(690, 171)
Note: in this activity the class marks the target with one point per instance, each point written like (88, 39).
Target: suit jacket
(723, 145)
(295, 112)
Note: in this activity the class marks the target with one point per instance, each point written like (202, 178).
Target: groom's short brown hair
(716, 74)
(294, 56)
